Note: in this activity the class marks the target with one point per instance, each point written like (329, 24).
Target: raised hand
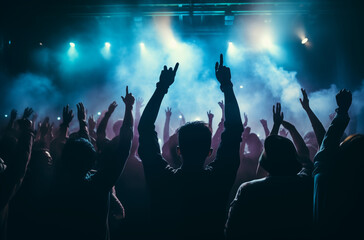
(112, 107)
(167, 76)
(81, 113)
(343, 100)
(44, 127)
(139, 103)
(245, 120)
(24, 124)
(222, 73)
(67, 115)
(210, 115)
(304, 102)
(128, 99)
(277, 114)
(168, 112)
(221, 104)
(246, 133)
(13, 115)
(27, 112)
(264, 122)
(91, 122)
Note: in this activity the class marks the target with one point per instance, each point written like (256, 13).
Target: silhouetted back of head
(78, 157)
(352, 154)
(254, 144)
(279, 157)
(194, 139)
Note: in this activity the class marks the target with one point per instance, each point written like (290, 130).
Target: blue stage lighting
(72, 44)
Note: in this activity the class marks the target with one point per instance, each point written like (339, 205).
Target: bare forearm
(166, 130)
(317, 126)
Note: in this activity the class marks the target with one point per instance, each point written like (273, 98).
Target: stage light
(141, 44)
(180, 116)
(40, 44)
(197, 119)
(6, 115)
(241, 86)
(72, 51)
(99, 113)
(58, 118)
(9, 42)
(105, 51)
(230, 44)
(304, 41)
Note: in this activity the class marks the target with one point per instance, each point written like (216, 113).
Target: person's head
(352, 155)
(254, 144)
(194, 143)
(78, 157)
(116, 127)
(279, 157)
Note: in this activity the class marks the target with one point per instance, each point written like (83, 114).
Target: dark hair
(279, 156)
(194, 139)
(78, 157)
(352, 150)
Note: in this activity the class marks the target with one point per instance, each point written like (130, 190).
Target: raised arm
(149, 150)
(317, 126)
(227, 158)
(91, 126)
(265, 127)
(13, 115)
(116, 153)
(210, 116)
(66, 120)
(166, 124)
(81, 115)
(12, 177)
(101, 129)
(302, 149)
(325, 160)
(277, 119)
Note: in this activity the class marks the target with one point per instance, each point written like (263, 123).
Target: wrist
(162, 88)
(226, 85)
(128, 107)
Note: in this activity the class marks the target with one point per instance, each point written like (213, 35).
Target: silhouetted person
(278, 206)
(80, 195)
(190, 202)
(14, 170)
(339, 181)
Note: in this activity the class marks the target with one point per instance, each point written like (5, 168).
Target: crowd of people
(200, 184)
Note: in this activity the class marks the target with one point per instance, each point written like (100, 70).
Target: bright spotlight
(107, 45)
(58, 118)
(99, 113)
(304, 41)
(197, 119)
(141, 45)
(241, 86)
(6, 115)
(230, 44)
(72, 44)
(40, 44)
(180, 116)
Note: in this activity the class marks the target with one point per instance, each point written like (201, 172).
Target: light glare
(72, 44)
(107, 45)
(304, 41)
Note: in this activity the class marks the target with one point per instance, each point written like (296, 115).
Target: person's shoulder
(253, 185)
